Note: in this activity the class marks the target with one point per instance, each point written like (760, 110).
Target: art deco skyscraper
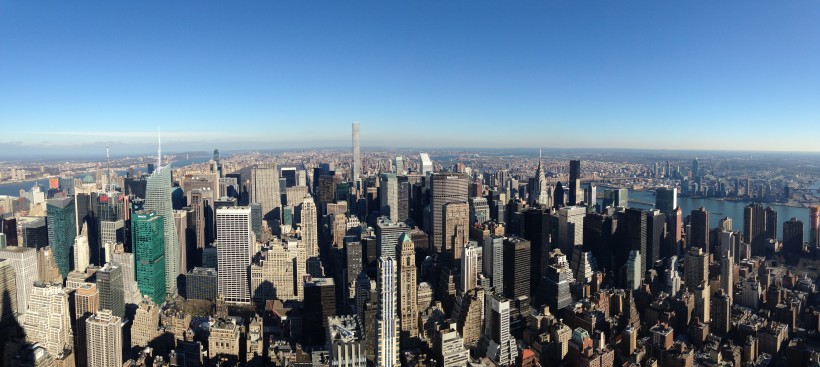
(310, 229)
(574, 182)
(104, 339)
(235, 240)
(81, 250)
(456, 227)
(159, 200)
(24, 262)
(148, 238)
(387, 322)
(61, 231)
(357, 157)
(47, 319)
(444, 188)
(408, 303)
(265, 189)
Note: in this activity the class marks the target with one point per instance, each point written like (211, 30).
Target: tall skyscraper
(456, 228)
(407, 297)
(387, 234)
(61, 231)
(634, 276)
(771, 223)
(310, 229)
(81, 251)
(389, 196)
(47, 320)
(492, 262)
(235, 240)
(148, 238)
(541, 193)
(357, 155)
(470, 260)
(159, 200)
(497, 341)
(754, 228)
(793, 236)
(86, 303)
(699, 235)
(574, 182)
(104, 339)
(444, 188)
(319, 305)
(655, 235)
(8, 290)
(814, 227)
(558, 278)
(695, 168)
(516, 268)
(570, 228)
(110, 285)
(24, 262)
(666, 199)
(265, 189)
(696, 268)
(636, 233)
(479, 210)
(387, 322)
(727, 280)
(181, 226)
(426, 164)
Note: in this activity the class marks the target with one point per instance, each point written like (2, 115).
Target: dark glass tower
(574, 181)
(110, 286)
(699, 236)
(516, 268)
(62, 229)
(148, 237)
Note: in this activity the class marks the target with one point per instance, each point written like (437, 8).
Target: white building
(234, 245)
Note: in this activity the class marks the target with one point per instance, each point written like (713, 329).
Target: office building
(636, 233)
(47, 320)
(357, 155)
(570, 228)
(407, 296)
(24, 262)
(444, 188)
(557, 282)
(496, 340)
(793, 236)
(616, 198)
(111, 288)
(479, 210)
(814, 227)
(223, 340)
(8, 290)
(655, 236)
(727, 273)
(81, 251)
(516, 268)
(389, 196)
(448, 346)
(699, 234)
(666, 199)
(470, 267)
(125, 260)
(721, 313)
(159, 201)
(86, 303)
(309, 227)
(456, 228)
(426, 164)
(61, 231)
(181, 226)
(754, 228)
(104, 339)
(265, 189)
(387, 235)
(492, 262)
(201, 283)
(145, 327)
(319, 305)
(469, 312)
(278, 272)
(695, 267)
(148, 239)
(634, 276)
(345, 341)
(235, 242)
(574, 182)
(387, 321)
(771, 223)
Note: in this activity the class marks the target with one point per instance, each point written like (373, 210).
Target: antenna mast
(108, 159)
(159, 148)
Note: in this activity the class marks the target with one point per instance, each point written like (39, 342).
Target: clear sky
(75, 75)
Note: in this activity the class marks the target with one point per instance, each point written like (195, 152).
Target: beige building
(47, 319)
(456, 228)
(86, 303)
(224, 338)
(470, 308)
(146, 323)
(277, 270)
(254, 340)
(408, 288)
(104, 340)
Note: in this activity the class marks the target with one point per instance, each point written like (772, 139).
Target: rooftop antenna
(108, 159)
(159, 148)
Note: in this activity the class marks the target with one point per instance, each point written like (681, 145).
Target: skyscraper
(407, 297)
(754, 228)
(814, 227)
(8, 290)
(104, 339)
(456, 228)
(387, 234)
(86, 303)
(265, 189)
(655, 236)
(61, 231)
(497, 341)
(357, 157)
(159, 200)
(636, 233)
(574, 182)
(81, 251)
(24, 262)
(492, 262)
(235, 241)
(696, 268)
(634, 276)
(110, 286)
(793, 236)
(557, 282)
(309, 227)
(516, 268)
(699, 235)
(387, 322)
(570, 228)
(444, 188)
(47, 318)
(470, 261)
(666, 199)
(319, 305)
(695, 168)
(148, 237)
(426, 164)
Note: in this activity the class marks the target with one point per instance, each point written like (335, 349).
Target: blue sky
(279, 74)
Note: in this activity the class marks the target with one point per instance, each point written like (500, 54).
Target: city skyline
(702, 75)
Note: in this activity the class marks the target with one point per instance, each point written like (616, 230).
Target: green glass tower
(148, 238)
(61, 231)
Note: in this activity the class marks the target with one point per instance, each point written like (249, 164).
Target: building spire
(108, 173)
(159, 148)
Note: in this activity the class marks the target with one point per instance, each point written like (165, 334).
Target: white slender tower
(357, 158)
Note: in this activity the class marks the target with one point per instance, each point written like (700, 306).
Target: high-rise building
(479, 210)
(674, 228)
(444, 188)
(456, 228)
(636, 233)
(357, 155)
(771, 223)
(81, 251)
(814, 227)
(201, 283)
(387, 234)
(616, 198)
(34, 232)
(793, 236)
(111, 288)
(148, 239)
(86, 303)
(470, 307)
(61, 231)
(754, 228)
(696, 267)
(516, 268)
(703, 294)
(727, 280)
(104, 339)
(389, 196)
(265, 189)
(426, 164)
(721, 313)
(541, 194)
(492, 262)
(145, 327)
(699, 235)
(634, 276)
(407, 296)
(181, 226)
(655, 235)
(695, 168)
(496, 340)
(159, 201)
(448, 346)
(666, 199)
(345, 340)
(570, 228)
(319, 305)
(24, 262)
(387, 321)
(470, 262)
(8, 290)
(235, 242)
(309, 227)
(557, 282)
(574, 182)
(47, 320)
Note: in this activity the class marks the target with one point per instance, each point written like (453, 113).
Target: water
(719, 209)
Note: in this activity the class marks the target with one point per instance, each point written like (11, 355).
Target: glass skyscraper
(159, 201)
(61, 231)
(148, 237)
